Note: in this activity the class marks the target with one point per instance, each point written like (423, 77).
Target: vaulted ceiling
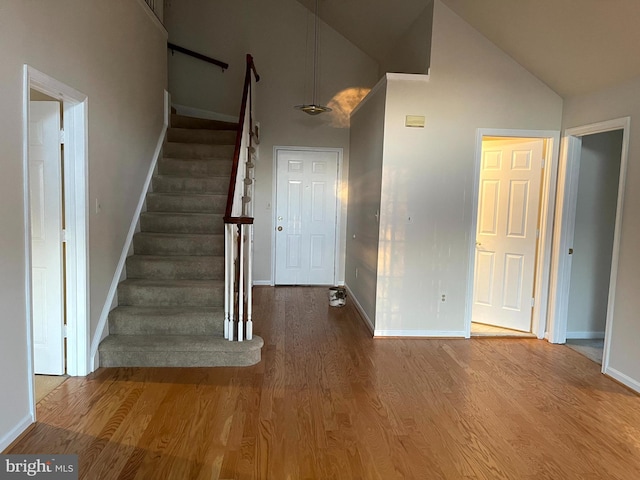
(574, 46)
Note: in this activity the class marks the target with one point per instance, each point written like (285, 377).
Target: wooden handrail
(199, 56)
(228, 217)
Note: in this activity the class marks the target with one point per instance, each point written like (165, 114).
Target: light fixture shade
(313, 109)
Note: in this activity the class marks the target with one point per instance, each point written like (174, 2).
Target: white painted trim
(622, 378)
(408, 77)
(420, 333)
(336, 260)
(16, 431)
(102, 328)
(547, 205)
(154, 18)
(206, 114)
(76, 156)
(262, 283)
(363, 314)
(564, 229)
(585, 335)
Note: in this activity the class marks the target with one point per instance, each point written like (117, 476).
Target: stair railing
(238, 219)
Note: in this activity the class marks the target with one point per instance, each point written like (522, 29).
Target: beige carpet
(592, 349)
(45, 384)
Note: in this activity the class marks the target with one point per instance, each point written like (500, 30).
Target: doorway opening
(510, 249)
(54, 121)
(588, 222)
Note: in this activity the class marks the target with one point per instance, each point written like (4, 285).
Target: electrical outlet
(444, 297)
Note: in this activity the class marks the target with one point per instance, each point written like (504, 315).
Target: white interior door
(306, 201)
(45, 193)
(506, 237)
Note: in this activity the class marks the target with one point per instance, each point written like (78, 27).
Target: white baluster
(227, 293)
(249, 282)
(241, 286)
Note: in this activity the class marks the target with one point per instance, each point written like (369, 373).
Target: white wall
(616, 102)
(593, 234)
(412, 52)
(428, 174)
(276, 34)
(365, 184)
(114, 53)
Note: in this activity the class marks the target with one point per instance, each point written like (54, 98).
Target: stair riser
(204, 245)
(197, 150)
(184, 324)
(198, 268)
(176, 223)
(179, 121)
(194, 167)
(186, 203)
(178, 359)
(187, 135)
(173, 184)
(173, 296)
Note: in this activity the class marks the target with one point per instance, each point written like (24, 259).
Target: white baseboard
(262, 283)
(206, 114)
(585, 335)
(622, 378)
(419, 333)
(16, 431)
(102, 329)
(363, 314)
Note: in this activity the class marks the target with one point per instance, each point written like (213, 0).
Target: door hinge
(64, 236)
(533, 301)
(542, 164)
(62, 137)
(64, 331)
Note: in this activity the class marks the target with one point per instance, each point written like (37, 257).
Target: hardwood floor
(330, 402)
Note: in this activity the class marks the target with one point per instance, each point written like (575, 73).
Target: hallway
(330, 402)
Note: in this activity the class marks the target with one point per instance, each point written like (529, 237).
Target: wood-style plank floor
(330, 402)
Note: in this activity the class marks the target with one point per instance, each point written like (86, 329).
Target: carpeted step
(175, 267)
(171, 293)
(128, 320)
(188, 203)
(197, 150)
(164, 222)
(194, 167)
(177, 244)
(192, 135)
(177, 351)
(186, 184)
(182, 121)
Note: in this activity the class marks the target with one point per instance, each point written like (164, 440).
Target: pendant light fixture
(314, 108)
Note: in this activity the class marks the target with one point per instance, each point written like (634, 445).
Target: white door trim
(338, 252)
(565, 223)
(547, 202)
(76, 201)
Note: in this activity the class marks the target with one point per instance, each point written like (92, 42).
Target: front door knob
(279, 228)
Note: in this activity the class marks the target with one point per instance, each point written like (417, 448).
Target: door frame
(337, 251)
(565, 223)
(546, 208)
(75, 105)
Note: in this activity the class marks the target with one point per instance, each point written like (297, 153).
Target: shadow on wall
(343, 103)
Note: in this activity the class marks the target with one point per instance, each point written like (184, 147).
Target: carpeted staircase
(170, 307)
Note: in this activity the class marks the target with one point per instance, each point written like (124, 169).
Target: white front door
(506, 238)
(45, 195)
(306, 201)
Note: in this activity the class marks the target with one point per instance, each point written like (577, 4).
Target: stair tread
(185, 214)
(178, 343)
(179, 235)
(152, 282)
(169, 311)
(176, 258)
